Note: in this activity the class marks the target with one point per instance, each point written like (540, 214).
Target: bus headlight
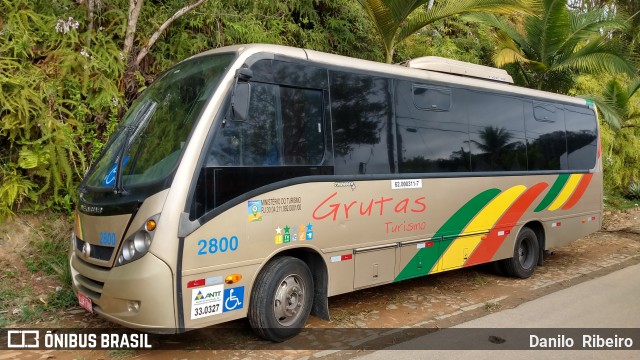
(136, 245)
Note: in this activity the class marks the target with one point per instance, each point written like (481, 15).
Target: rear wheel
(525, 255)
(281, 299)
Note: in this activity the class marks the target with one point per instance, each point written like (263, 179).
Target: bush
(633, 191)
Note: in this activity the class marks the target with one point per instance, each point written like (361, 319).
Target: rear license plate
(85, 302)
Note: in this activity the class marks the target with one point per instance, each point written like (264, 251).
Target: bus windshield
(148, 144)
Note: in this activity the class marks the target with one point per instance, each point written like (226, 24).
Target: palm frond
(443, 10)
(599, 55)
(501, 25)
(610, 113)
(595, 23)
(634, 86)
(617, 95)
(384, 19)
(508, 51)
(547, 33)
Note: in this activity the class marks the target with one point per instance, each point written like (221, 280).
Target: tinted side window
(361, 115)
(303, 140)
(546, 141)
(296, 74)
(496, 131)
(284, 127)
(581, 137)
(290, 73)
(252, 142)
(431, 98)
(431, 141)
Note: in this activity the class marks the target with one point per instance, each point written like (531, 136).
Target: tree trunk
(388, 56)
(132, 21)
(152, 40)
(91, 4)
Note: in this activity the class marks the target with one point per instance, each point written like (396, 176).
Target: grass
(120, 354)
(343, 316)
(617, 202)
(36, 279)
(479, 280)
(492, 306)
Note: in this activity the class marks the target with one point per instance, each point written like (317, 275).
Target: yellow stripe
(78, 227)
(461, 248)
(567, 190)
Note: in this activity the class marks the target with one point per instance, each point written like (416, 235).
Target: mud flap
(320, 306)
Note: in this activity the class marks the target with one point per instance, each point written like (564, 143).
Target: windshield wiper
(146, 113)
(117, 184)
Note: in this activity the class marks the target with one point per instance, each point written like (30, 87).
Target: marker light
(233, 278)
(150, 225)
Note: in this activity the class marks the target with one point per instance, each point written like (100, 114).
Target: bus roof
(393, 69)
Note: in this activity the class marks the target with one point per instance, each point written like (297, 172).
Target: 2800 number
(107, 238)
(214, 245)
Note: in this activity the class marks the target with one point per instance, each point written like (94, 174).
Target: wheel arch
(312, 258)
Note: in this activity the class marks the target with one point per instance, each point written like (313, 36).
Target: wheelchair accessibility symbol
(233, 299)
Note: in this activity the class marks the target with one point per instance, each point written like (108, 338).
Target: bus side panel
(578, 215)
(374, 232)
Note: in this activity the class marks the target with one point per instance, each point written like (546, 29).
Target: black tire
(525, 255)
(281, 299)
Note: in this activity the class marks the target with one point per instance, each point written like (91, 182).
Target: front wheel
(281, 299)
(525, 255)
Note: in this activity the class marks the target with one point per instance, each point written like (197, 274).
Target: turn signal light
(233, 278)
(150, 225)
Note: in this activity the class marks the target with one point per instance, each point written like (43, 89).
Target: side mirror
(240, 101)
(241, 95)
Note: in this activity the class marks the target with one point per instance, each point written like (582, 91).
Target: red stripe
(577, 194)
(488, 247)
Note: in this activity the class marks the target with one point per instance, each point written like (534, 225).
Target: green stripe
(553, 192)
(425, 259)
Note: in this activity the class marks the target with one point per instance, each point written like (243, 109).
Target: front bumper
(136, 295)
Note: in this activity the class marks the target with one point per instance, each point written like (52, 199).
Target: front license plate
(85, 302)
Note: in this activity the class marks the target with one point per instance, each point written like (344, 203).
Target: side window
(581, 137)
(431, 98)
(496, 131)
(545, 133)
(284, 127)
(428, 140)
(302, 136)
(253, 142)
(362, 124)
(546, 113)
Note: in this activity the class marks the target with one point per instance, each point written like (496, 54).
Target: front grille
(98, 252)
(90, 288)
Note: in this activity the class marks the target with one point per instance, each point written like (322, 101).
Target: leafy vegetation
(396, 20)
(549, 50)
(67, 74)
(69, 69)
(633, 190)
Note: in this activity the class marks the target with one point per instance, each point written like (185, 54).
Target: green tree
(616, 104)
(549, 49)
(395, 20)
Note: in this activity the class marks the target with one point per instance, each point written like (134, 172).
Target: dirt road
(374, 318)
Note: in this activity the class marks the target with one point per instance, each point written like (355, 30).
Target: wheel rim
(525, 257)
(289, 300)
